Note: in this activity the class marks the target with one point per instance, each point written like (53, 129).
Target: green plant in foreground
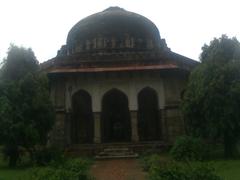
(73, 169)
(149, 160)
(187, 148)
(183, 171)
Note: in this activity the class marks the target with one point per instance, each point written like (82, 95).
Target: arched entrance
(148, 115)
(82, 118)
(115, 117)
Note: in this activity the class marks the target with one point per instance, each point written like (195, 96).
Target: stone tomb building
(116, 81)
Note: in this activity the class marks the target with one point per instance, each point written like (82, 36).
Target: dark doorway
(115, 117)
(148, 115)
(82, 118)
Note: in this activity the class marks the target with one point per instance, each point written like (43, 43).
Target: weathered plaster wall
(174, 85)
(130, 84)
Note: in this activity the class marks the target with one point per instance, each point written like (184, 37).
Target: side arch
(82, 124)
(149, 124)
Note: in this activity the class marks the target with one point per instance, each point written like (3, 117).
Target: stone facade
(168, 89)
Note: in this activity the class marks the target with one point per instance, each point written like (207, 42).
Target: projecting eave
(112, 69)
(110, 63)
(182, 62)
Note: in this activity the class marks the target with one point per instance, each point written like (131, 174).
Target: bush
(44, 156)
(204, 171)
(74, 169)
(180, 171)
(188, 148)
(79, 167)
(149, 160)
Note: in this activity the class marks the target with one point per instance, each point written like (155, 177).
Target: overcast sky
(186, 25)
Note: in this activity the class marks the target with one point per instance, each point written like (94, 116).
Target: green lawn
(14, 174)
(20, 173)
(228, 169)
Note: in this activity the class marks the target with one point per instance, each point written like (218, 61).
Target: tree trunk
(230, 147)
(12, 152)
(12, 161)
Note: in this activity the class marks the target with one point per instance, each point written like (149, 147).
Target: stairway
(116, 152)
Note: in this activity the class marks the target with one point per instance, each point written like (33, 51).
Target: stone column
(163, 122)
(97, 127)
(68, 121)
(134, 124)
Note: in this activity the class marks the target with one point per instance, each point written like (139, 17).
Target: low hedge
(183, 171)
(187, 148)
(73, 169)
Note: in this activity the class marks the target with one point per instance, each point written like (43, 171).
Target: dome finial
(114, 8)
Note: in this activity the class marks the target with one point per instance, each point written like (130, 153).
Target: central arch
(115, 117)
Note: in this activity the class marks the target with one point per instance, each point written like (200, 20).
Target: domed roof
(113, 29)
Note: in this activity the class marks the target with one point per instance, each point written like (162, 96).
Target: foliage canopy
(211, 104)
(26, 113)
(188, 148)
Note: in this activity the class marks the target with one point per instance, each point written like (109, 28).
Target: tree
(19, 62)
(211, 104)
(26, 113)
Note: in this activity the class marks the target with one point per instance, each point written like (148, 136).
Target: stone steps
(115, 153)
(94, 150)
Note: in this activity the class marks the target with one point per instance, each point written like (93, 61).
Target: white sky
(186, 25)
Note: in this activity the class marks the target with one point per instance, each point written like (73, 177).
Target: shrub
(188, 148)
(149, 160)
(204, 171)
(50, 173)
(74, 169)
(180, 171)
(79, 167)
(44, 156)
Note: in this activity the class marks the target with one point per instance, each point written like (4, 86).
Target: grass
(228, 169)
(14, 174)
(19, 173)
